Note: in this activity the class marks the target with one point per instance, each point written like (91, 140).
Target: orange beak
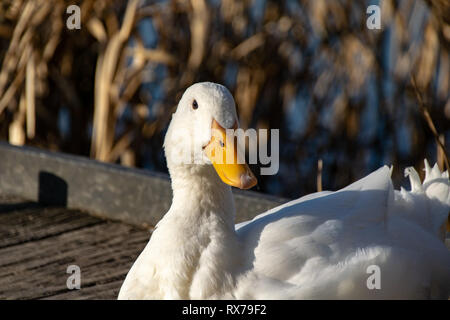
(222, 150)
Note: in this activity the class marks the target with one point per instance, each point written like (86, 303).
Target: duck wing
(329, 244)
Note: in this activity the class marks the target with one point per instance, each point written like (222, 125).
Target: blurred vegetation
(338, 92)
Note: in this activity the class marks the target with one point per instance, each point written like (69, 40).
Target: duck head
(198, 135)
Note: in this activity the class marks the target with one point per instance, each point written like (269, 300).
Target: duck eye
(195, 105)
(221, 143)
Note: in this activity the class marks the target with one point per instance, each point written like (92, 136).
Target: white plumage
(320, 246)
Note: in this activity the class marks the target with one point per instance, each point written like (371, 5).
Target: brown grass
(322, 50)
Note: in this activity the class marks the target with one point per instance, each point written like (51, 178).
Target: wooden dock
(58, 210)
(38, 243)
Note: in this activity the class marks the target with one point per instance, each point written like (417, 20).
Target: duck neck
(197, 230)
(198, 193)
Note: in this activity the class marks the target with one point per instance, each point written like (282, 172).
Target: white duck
(324, 245)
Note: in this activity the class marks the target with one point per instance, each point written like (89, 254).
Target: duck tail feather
(436, 186)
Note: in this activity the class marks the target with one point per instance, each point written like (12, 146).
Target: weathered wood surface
(38, 243)
(135, 196)
(56, 211)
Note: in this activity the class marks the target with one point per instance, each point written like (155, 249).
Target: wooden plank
(40, 222)
(139, 197)
(134, 196)
(100, 291)
(104, 253)
(38, 243)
